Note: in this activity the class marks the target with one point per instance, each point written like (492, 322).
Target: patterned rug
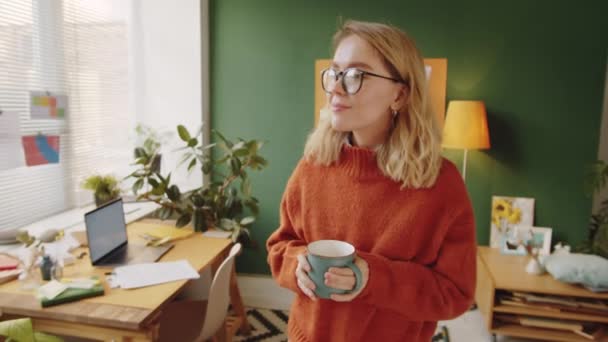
(270, 326)
(266, 325)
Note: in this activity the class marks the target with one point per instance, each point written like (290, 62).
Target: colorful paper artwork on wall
(46, 106)
(41, 149)
(10, 141)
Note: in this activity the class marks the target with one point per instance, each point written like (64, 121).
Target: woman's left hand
(343, 278)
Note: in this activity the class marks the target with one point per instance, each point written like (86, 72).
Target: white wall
(165, 67)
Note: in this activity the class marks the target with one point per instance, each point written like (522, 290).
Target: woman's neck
(371, 136)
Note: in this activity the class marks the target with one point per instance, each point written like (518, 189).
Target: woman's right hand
(304, 282)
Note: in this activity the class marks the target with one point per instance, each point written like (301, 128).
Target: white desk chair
(197, 320)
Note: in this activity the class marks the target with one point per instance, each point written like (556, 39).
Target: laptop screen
(106, 229)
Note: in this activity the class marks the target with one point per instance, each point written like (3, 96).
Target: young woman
(372, 175)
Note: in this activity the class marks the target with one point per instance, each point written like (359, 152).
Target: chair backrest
(219, 296)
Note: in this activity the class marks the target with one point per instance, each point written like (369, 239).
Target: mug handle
(358, 276)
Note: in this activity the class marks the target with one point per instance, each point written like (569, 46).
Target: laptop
(107, 238)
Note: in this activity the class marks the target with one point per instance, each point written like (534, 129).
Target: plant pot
(99, 201)
(198, 220)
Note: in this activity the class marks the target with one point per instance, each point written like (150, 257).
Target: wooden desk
(496, 272)
(120, 315)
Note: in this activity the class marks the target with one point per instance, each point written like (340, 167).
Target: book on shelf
(591, 331)
(554, 303)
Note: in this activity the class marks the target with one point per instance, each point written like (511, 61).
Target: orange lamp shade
(466, 126)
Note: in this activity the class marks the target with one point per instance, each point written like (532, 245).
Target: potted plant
(220, 203)
(104, 187)
(149, 142)
(597, 239)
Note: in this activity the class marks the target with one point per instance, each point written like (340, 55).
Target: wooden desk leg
(237, 304)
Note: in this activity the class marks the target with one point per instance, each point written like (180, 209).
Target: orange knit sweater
(419, 245)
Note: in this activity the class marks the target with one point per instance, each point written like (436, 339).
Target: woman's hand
(343, 278)
(304, 282)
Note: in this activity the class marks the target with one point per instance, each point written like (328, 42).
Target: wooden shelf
(538, 333)
(552, 314)
(498, 273)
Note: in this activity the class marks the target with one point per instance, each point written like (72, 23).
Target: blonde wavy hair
(411, 154)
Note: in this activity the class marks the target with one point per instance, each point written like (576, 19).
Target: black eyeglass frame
(340, 78)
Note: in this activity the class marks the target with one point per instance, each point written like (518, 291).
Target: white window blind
(76, 48)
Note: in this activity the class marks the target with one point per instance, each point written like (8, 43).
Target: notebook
(8, 262)
(73, 294)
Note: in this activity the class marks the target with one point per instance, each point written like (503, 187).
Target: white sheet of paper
(11, 150)
(220, 234)
(141, 275)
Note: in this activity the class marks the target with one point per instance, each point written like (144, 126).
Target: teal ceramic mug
(322, 255)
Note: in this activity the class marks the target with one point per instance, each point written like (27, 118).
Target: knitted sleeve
(284, 244)
(439, 291)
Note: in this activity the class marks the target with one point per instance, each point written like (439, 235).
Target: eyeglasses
(352, 79)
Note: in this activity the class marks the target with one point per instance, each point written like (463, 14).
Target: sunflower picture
(508, 212)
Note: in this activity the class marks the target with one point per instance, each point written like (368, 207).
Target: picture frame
(540, 235)
(506, 213)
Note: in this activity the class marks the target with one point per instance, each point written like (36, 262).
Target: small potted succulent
(104, 187)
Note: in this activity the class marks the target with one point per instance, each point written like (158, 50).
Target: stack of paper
(140, 275)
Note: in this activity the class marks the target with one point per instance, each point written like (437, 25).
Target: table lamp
(466, 127)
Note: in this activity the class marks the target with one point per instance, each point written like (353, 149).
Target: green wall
(538, 65)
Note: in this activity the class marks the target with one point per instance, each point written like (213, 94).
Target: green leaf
(183, 220)
(238, 146)
(259, 160)
(253, 206)
(165, 213)
(252, 146)
(207, 167)
(192, 142)
(140, 153)
(226, 224)
(246, 187)
(235, 165)
(235, 235)
(247, 220)
(142, 160)
(138, 185)
(173, 193)
(185, 158)
(158, 191)
(192, 164)
(183, 133)
(208, 146)
(153, 182)
(228, 143)
(222, 160)
(198, 200)
(241, 152)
